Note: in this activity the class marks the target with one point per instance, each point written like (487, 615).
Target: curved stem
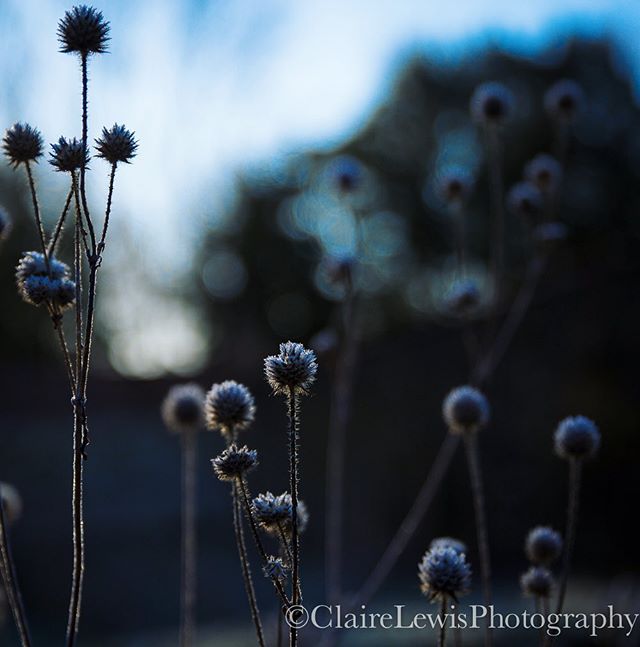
(36, 213)
(55, 237)
(246, 569)
(107, 213)
(575, 473)
(188, 543)
(11, 581)
(477, 489)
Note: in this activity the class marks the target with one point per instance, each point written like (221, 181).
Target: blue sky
(214, 88)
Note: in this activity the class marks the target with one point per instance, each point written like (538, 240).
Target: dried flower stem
(85, 89)
(443, 626)
(477, 489)
(36, 213)
(11, 582)
(292, 408)
(55, 237)
(575, 473)
(188, 543)
(497, 207)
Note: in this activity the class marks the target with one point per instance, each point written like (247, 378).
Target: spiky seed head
(454, 185)
(33, 264)
(525, 200)
(547, 234)
(543, 545)
(83, 29)
(545, 172)
(444, 573)
(5, 223)
(275, 568)
(564, 100)
(117, 145)
(576, 437)
(22, 143)
(68, 155)
(11, 503)
(35, 290)
(449, 542)
(346, 174)
(272, 511)
(37, 284)
(537, 582)
(229, 406)
(465, 410)
(234, 462)
(293, 369)
(183, 408)
(491, 103)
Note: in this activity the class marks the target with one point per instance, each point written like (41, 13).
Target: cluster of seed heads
(465, 410)
(229, 406)
(182, 408)
(444, 574)
(39, 282)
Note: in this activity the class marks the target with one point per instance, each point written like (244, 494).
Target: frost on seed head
(234, 462)
(465, 409)
(444, 573)
(294, 369)
(229, 406)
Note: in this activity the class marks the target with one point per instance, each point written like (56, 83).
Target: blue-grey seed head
(293, 369)
(275, 567)
(537, 582)
(117, 144)
(272, 511)
(62, 293)
(564, 100)
(234, 462)
(491, 103)
(545, 172)
(346, 174)
(444, 573)
(454, 185)
(543, 545)
(576, 437)
(22, 143)
(525, 201)
(229, 406)
(68, 155)
(449, 542)
(462, 297)
(83, 29)
(183, 408)
(465, 409)
(33, 264)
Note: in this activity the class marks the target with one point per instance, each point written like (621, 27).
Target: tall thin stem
(497, 207)
(292, 404)
(477, 489)
(11, 581)
(55, 236)
(188, 539)
(443, 624)
(84, 60)
(246, 569)
(575, 473)
(107, 213)
(36, 213)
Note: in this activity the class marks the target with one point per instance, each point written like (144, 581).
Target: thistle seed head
(449, 542)
(183, 408)
(576, 438)
(272, 511)
(454, 185)
(117, 145)
(543, 545)
(545, 172)
(5, 223)
(33, 264)
(444, 573)
(491, 104)
(526, 201)
(68, 155)
(564, 100)
(465, 410)
(537, 582)
(294, 369)
(22, 143)
(346, 174)
(83, 30)
(11, 503)
(275, 567)
(36, 285)
(234, 462)
(62, 293)
(229, 406)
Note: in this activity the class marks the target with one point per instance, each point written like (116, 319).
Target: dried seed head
(465, 410)
(576, 437)
(444, 573)
(83, 30)
(543, 545)
(182, 409)
(68, 155)
(117, 145)
(275, 567)
(526, 201)
(36, 285)
(454, 185)
(33, 264)
(234, 462)
(5, 223)
(11, 503)
(229, 406)
(62, 293)
(491, 103)
(564, 100)
(537, 582)
(346, 174)
(22, 144)
(545, 172)
(272, 511)
(293, 369)
(449, 542)
(462, 297)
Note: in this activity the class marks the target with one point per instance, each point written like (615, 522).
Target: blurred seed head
(22, 143)
(525, 200)
(228, 407)
(294, 369)
(83, 29)
(234, 462)
(564, 100)
(346, 174)
(537, 582)
(183, 408)
(454, 185)
(11, 503)
(5, 223)
(68, 155)
(275, 568)
(444, 573)
(33, 264)
(543, 545)
(117, 145)
(463, 297)
(491, 104)
(576, 437)
(545, 172)
(465, 410)
(449, 542)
